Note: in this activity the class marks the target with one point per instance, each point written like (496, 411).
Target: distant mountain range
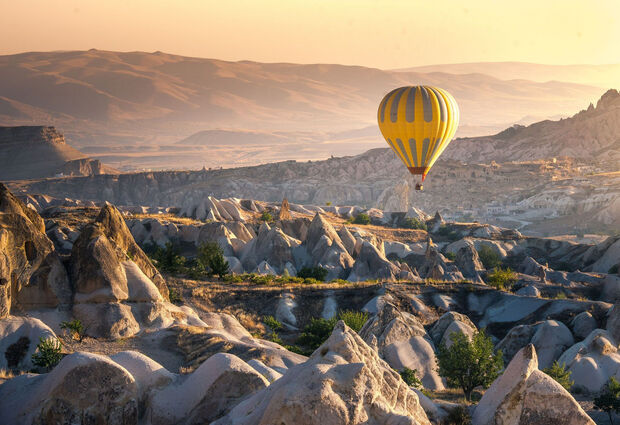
(131, 108)
(596, 75)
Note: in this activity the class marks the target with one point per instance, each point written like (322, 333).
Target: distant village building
(495, 209)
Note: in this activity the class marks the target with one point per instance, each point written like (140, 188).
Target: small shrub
(447, 233)
(318, 273)
(489, 257)
(560, 296)
(458, 416)
(274, 337)
(272, 322)
(340, 281)
(316, 333)
(608, 399)
(175, 296)
(450, 255)
(354, 319)
(266, 216)
(295, 349)
(414, 223)
(48, 354)
(410, 377)
(501, 278)
(362, 218)
(562, 376)
(233, 278)
(468, 364)
(613, 269)
(328, 203)
(75, 328)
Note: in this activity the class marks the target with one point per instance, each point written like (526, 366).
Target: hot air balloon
(418, 122)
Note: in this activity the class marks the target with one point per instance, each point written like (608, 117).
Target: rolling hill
(597, 75)
(134, 106)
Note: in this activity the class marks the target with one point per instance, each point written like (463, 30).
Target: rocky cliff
(593, 133)
(31, 152)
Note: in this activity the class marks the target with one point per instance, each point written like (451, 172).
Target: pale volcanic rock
(592, 361)
(31, 274)
(355, 387)
(208, 393)
(19, 337)
(401, 340)
(523, 395)
(109, 394)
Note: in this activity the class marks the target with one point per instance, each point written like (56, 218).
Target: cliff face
(593, 133)
(26, 135)
(31, 152)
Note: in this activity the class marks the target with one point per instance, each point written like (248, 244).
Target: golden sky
(378, 33)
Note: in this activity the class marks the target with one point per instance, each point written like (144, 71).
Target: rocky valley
(230, 246)
(124, 297)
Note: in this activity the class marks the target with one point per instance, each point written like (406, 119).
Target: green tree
(562, 376)
(211, 258)
(48, 353)
(468, 364)
(414, 223)
(362, 218)
(318, 330)
(410, 376)
(266, 216)
(168, 259)
(489, 257)
(318, 273)
(608, 399)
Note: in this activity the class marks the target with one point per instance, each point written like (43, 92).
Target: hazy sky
(380, 33)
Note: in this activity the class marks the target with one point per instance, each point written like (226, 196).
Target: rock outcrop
(344, 381)
(326, 249)
(31, 274)
(83, 388)
(19, 337)
(117, 288)
(550, 338)
(219, 384)
(523, 395)
(401, 341)
(592, 361)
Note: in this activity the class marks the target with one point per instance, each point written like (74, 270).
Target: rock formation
(523, 395)
(402, 342)
(31, 274)
(83, 388)
(284, 213)
(592, 361)
(31, 152)
(344, 381)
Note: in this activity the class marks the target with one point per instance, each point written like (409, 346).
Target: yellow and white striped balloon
(418, 122)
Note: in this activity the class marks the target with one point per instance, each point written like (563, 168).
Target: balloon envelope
(418, 122)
